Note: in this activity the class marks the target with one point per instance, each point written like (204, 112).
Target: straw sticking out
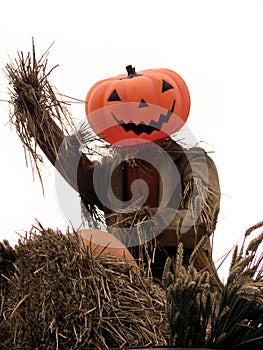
(61, 296)
(35, 107)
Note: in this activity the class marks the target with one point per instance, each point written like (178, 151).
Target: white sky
(216, 46)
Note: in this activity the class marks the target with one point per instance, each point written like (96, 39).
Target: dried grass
(55, 294)
(230, 318)
(61, 296)
(35, 107)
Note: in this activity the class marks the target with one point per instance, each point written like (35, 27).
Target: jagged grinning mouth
(146, 128)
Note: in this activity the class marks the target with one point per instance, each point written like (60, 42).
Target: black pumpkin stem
(131, 71)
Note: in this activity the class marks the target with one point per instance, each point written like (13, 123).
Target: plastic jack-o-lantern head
(138, 107)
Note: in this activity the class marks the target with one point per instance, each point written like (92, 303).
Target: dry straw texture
(35, 101)
(228, 318)
(57, 295)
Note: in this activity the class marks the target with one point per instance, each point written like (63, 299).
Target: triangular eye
(166, 86)
(114, 96)
(143, 104)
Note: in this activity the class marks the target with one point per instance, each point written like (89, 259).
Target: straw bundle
(230, 318)
(57, 295)
(39, 117)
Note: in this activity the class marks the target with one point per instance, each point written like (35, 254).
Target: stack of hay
(57, 295)
(54, 294)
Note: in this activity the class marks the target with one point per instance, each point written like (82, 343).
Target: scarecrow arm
(37, 124)
(49, 142)
(42, 120)
(64, 154)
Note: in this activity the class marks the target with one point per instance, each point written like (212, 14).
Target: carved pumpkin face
(138, 107)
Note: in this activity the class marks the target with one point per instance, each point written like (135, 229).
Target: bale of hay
(55, 294)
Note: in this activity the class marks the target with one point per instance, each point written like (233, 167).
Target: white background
(216, 46)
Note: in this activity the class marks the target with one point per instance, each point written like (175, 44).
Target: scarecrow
(152, 191)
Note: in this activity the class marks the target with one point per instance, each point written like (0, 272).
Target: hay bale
(58, 295)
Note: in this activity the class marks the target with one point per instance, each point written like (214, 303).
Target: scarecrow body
(189, 195)
(192, 193)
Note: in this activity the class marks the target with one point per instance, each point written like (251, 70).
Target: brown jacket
(189, 187)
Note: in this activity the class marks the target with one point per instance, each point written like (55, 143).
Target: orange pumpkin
(138, 107)
(105, 243)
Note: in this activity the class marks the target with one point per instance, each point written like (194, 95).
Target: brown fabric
(187, 162)
(147, 173)
(70, 162)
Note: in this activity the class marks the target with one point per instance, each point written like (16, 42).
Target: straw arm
(42, 121)
(49, 142)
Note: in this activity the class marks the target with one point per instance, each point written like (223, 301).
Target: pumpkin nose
(143, 104)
